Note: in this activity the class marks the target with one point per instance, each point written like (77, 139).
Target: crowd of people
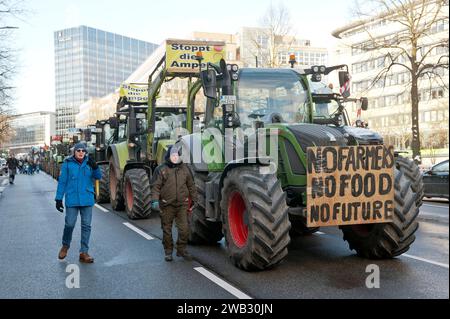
(26, 166)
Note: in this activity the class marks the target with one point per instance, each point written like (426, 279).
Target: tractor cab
(103, 135)
(271, 96)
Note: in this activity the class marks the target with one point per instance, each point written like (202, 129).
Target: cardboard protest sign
(349, 185)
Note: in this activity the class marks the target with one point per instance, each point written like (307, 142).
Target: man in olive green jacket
(173, 191)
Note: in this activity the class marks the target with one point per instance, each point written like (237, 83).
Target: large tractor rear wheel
(137, 194)
(202, 231)
(413, 174)
(255, 218)
(115, 190)
(103, 194)
(387, 240)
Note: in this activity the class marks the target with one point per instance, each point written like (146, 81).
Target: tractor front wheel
(137, 194)
(387, 240)
(115, 190)
(103, 195)
(413, 174)
(202, 231)
(255, 218)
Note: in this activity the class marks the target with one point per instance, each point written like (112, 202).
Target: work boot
(184, 254)
(63, 252)
(85, 258)
(168, 257)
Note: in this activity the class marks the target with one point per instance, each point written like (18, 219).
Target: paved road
(127, 264)
(130, 266)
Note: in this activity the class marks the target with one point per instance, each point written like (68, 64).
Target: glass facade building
(30, 129)
(91, 63)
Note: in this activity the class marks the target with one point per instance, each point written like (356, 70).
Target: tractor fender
(138, 165)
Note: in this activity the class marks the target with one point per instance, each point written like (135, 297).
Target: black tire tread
(103, 196)
(388, 240)
(202, 231)
(140, 185)
(268, 237)
(413, 174)
(118, 203)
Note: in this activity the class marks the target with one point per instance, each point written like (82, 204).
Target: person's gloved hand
(155, 205)
(92, 163)
(59, 205)
(193, 206)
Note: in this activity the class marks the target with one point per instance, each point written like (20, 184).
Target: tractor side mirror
(344, 77)
(364, 103)
(344, 82)
(209, 83)
(113, 122)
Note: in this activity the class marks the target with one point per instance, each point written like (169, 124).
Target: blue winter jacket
(76, 182)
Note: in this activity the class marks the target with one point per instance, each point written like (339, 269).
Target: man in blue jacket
(76, 183)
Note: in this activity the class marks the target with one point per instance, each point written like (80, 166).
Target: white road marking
(101, 208)
(426, 260)
(437, 206)
(232, 290)
(5, 182)
(137, 230)
(411, 256)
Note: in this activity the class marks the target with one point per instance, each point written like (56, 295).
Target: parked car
(3, 168)
(436, 180)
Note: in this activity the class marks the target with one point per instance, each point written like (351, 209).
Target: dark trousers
(12, 175)
(168, 215)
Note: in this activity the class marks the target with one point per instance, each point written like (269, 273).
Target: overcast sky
(151, 21)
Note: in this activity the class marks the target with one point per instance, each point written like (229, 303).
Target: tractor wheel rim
(236, 213)
(130, 199)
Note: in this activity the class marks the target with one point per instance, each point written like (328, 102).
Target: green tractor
(58, 154)
(147, 128)
(258, 208)
(129, 169)
(101, 136)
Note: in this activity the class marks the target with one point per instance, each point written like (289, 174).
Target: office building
(30, 129)
(91, 63)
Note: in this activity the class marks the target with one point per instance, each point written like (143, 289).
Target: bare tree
(412, 45)
(272, 37)
(9, 11)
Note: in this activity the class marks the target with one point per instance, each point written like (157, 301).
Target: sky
(152, 21)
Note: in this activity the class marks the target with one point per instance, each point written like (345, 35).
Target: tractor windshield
(271, 96)
(325, 109)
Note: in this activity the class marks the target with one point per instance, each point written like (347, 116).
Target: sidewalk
(3, 184)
